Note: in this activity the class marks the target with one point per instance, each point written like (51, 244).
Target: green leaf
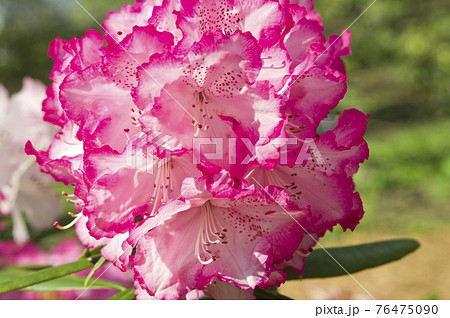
(10, 273)
(265, 295)
(206, 298)
(25, 267)
(127, 294)
(97, 265)
(59, 284)
(47, 274)
(74, 283)
(353, 258)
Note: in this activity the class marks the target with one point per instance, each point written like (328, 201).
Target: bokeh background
(399, 73)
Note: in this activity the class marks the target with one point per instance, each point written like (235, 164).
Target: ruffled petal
(119, 24)
(300, 39)
(122, 60)
(110, 208)
(313, 95)
(165, 263)
(70, 56)
(297, 262)
(325, 184)
(97, 106)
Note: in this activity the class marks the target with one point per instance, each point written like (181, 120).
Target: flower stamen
(61, 136)
(68, 226)
(211, 233)
(302, 254)
(163, 185)
(202, 117)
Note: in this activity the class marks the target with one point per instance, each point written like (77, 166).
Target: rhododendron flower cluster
(189, 130)
(25, 192)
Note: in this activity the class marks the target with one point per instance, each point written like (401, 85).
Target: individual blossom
(109, 205)
(319, 171)
(319, 174)
(234, 238)
(24, 191)
(212, 89)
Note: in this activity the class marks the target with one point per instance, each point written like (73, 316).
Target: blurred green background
(399, 73)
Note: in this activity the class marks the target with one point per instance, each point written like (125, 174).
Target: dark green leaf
(127, 294)
(10, 273)
(26, 267)
(47, 274)
(353, 258)
(59, 284)
(73, 283)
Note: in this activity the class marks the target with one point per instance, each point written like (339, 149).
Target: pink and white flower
(23, 189)
(199, 237)
(167, 73)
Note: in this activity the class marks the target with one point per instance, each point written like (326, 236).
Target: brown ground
(424, 274)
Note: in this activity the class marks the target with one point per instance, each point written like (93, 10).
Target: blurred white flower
(24, 190)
